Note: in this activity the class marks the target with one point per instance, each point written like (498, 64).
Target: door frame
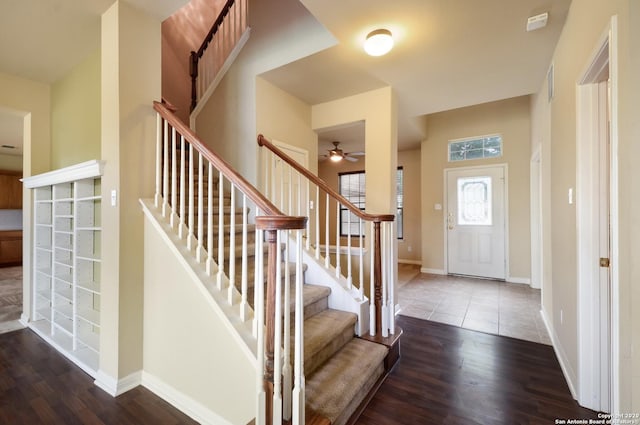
(505, 169)
(535, 182)
(590, 314)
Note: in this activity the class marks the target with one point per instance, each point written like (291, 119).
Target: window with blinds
(352, 186)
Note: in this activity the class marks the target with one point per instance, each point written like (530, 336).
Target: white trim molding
(432, 271)
(413, 262)
(519, 280)
(115, 387)
(84, 170)
(182, 402)
(565, 364)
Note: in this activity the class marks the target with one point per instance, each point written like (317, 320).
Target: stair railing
(296, 186)
(206, 62)
(196, 194)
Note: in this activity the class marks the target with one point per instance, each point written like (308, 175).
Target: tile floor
(10, 298)
(489, 306)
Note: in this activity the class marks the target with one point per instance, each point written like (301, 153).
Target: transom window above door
(475, 148)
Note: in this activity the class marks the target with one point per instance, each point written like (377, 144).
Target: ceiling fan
(336, 154)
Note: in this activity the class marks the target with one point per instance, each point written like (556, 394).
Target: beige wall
(130, 83)
(284, 118)
(11, 162)
(75, 114)
(188, 344)
(585, 24)
(227, 123)
(509, 118)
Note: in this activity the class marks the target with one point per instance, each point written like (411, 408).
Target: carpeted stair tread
(337, 388)
(325, 333)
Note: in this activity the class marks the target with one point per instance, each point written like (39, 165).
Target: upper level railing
(296, 190)
(224, 222)
(207, 61)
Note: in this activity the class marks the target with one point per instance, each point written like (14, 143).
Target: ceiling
(59, 34)
(447, 55)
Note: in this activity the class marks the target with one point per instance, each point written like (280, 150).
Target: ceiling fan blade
(350, 158)
(359, 153)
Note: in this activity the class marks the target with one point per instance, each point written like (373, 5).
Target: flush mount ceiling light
(379, 42)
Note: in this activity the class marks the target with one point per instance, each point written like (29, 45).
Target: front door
(475, 221)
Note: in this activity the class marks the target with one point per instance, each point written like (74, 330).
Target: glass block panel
(474, 201)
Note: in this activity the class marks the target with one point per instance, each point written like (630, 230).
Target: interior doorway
(597, 226)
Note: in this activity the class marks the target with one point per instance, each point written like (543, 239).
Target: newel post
(377, 274)
(271, 225)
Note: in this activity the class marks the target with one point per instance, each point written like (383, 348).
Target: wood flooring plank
(450, 375)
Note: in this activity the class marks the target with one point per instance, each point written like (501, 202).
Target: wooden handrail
(247, 188)
(196, 55)
(263, 141)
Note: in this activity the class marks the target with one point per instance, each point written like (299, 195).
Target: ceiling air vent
(537, 22)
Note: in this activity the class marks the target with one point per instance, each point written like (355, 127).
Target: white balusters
(220, 276)
(299, 381)
(384, 304)
(277, 352)
(390, 247)
(232, 246)
(317, 241)
(349, 277)
(326, 236)
(159, 143)
(361, 256)
(258, 297)
(174, 180)
(183, 195)
(244, 305)
(199, 247)
(258, 328)
(287, 384)
(165, 170)
(337, 239)
(190, 237)
(372, 290)
(209, 264)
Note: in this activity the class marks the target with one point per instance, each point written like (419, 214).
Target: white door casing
(287, 190)
(475, 221)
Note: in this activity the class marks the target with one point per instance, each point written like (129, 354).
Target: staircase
(325, 372)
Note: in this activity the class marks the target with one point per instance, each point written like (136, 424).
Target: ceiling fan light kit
(379, 42)
(336, 154)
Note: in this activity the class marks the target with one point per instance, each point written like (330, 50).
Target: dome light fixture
(379, 42)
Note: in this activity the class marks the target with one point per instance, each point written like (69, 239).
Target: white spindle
(277, 353)
(305, 196)
(191, 200)
(361, 255)
(317, 207)
(174, 180)
(232, 246)
(158, 159)
(258, 329)
(392, 278)
(290, 210)
(349, 278)
(183, 195)
(258, 280)
(287, 384)
(299, 380)
(210, 263)
(244, 305)
(338, 239)
(220, 230)
(326, 235)
(165, 169)
(372, 290)
(200, 248)
(385, 270)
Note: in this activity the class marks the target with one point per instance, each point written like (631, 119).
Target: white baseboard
(182, 402)
(414, 262)
(432, 271)
(114, 387)
(569, 376)
(520, 280)
(10, 326)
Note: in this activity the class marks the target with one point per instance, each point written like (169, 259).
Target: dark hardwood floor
(450, 375)
(40, 386)
(446, 375)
